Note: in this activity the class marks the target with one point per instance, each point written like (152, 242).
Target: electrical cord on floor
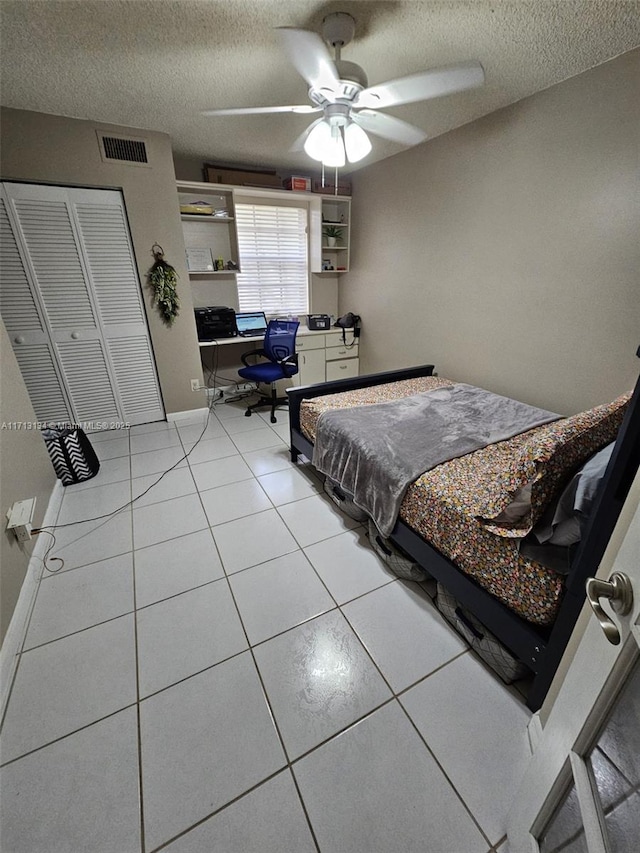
(48, 528)
(213, 375)
(46, 559)
(213, 369)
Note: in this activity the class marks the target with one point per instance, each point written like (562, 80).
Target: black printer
(215, 322)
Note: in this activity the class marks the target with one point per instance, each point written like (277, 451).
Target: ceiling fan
(349, 106)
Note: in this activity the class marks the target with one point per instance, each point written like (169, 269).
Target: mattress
(437, 506)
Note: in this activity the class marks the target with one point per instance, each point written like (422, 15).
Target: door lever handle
(619, 592)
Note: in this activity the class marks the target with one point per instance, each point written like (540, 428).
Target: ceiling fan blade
(389, 127)
(298, 145)
(422, 86)
(310, 57)
(247, 111)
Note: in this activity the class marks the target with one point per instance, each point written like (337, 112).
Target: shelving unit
(212, 234)
(336, 210)
(217, 235)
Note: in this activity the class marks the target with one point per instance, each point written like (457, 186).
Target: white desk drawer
(346, 368)
(334, 339)
(337, 353)
(310, 342)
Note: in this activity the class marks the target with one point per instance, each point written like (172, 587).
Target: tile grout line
(392, 697)
(27, 626)
(289, 762)
(266, 698)
(441, 768)
(79, 630)
(217, 811)
(68, 734)
(136, 660)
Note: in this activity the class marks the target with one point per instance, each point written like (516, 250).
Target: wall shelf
(202, 217)
(213, 272)
(209, 233)
(335, 212)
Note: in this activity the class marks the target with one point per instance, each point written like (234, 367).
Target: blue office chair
(280, 350)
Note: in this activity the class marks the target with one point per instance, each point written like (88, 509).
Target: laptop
(251, 324)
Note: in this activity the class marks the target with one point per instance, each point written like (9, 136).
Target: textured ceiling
(156, 63)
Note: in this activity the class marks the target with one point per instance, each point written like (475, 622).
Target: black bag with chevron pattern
(72, 454)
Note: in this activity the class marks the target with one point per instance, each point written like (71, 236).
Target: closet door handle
(19, 339)
(75, 335)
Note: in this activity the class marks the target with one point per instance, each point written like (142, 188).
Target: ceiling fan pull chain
(335, 187)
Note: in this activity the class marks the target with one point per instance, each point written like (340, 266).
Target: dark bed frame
(540, 648)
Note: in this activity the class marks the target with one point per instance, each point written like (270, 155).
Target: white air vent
(122, 149)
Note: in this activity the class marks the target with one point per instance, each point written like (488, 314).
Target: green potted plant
(331, 234)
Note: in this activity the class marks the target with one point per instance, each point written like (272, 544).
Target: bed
(456, 520)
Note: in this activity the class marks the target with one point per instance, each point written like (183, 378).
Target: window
(272, 243)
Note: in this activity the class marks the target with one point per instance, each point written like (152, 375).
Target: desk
(303, 331)
(322, 356)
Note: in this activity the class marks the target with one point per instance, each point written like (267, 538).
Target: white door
(78, 269)
(28, 331)
(111, 270)
(580, 793)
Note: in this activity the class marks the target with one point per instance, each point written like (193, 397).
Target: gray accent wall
(25, 472)
(58, 150)
(507, 252)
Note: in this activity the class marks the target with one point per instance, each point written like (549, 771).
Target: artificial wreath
(164, 280)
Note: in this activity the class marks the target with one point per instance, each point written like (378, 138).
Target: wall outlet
(195, 385)
(20, 518)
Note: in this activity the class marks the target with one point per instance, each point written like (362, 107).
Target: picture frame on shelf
(200, 260)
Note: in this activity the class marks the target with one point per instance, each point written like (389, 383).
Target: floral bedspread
(456, 505)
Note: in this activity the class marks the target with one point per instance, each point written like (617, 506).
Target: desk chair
(280, 350)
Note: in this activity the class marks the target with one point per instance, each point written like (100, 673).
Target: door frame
(591, 684)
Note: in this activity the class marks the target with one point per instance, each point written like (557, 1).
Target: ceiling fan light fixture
(318, 140)
(356, 142)
(324, 143)
(334, 151)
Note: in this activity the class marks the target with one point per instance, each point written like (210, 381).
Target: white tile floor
(228, 667)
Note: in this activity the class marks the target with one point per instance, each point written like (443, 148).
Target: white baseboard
(190, 413)
(14, 638)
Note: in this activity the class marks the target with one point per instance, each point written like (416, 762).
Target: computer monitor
(251, 323)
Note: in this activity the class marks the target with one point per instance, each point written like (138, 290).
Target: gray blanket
(375, 452)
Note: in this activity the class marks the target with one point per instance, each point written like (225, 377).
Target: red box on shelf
(298, 183)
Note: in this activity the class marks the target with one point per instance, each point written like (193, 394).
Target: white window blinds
(272, 243)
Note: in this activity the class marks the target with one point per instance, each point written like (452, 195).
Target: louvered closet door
(104, 234)
(78, 258)
(28, 332)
